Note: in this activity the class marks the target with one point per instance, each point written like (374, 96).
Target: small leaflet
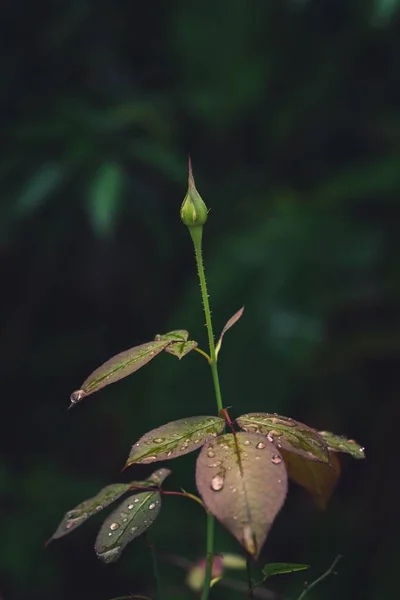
(234, 319)
(129, 520)
(180, 349)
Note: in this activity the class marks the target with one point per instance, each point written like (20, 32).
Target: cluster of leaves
(241, 475)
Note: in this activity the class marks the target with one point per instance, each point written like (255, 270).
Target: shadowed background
(290, 110)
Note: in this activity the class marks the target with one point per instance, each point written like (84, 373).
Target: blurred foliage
(290, 110)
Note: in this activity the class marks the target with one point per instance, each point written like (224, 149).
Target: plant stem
(196, 235)
(330, 571)
(155, 570)
(250, 595)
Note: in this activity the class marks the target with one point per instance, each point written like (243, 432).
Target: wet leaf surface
(230, 323)
(338, 443)
(81, 513)
(119, 366)
(129, 520)
(180, 349)
(319, 479)
(243, 484)
(175, 439)
(288, 434)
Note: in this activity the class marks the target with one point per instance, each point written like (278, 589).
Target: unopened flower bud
(193, 209)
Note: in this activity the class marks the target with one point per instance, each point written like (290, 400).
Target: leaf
(129, 520)
(228, 325)
(178, 335)
(319, 479)
(180, 349)
(175, 439)
(104, 198)
(243, 482)
(338, 443)
(281, 568)
(287, 434)
(81, 513)
(119, 366)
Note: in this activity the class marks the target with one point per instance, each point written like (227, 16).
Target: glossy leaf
(319, 479)
(81, 513)
(175, 439)
(243, 482)
(287, 434)
(129, 520)
(230, 323)
(178, 335)
(119, 366)
(180, 349)
(339, 443)
(282, 568)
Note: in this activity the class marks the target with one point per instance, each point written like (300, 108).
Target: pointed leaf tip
(338, 443)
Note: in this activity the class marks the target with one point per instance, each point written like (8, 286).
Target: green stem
(196, 235)
(250, 595)
(155, 570)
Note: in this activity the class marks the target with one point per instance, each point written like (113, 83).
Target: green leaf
(228, 325)
(281, 568)
(339, 443)
(178, 335)
(288, 434)
(129, 520)
(243, 482)
(81, 513)
(119, 366)
(180, 349)
(175, 439)
(104, 198)
(319, 479)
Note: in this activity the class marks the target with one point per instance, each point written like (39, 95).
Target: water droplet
(196, 441)
(136, 500)
(99, 507)
(217, 463)
(151, 506)
(169, 453)
(260, 446)
(110, 534)
(233, 489)
(217, 483)
(257, 457)
(130, 506)
(124, 520)
(270, 437)
(114, 526)
(210, 454)
(109, 555)
(158, 440)
(133, 529)
(183, 448)
(76, 396)
(247, 443)
(137, 444)
(276, 459)
(151, 459)
(249, 540)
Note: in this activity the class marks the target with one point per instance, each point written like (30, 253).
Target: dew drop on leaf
(130, 506)
(114, 526)
(217, 483)
(210, 454)
(247, 443)
(158, 440)
(76, 396)
(260, 446)
(276, 459)
(151, 506)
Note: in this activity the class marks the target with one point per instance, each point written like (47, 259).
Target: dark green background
(290, 110)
